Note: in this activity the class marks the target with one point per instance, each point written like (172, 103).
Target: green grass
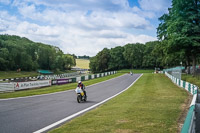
(14, 74)
(191, 79)
(61, 72)
(82, 63)
(151, 105)
(137, 70)
(55, 88)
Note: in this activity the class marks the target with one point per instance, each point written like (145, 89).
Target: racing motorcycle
(80, 95)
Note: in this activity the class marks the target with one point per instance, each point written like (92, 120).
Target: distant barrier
(88, 77)
(190, 123)
(58, 76)
(13, 86)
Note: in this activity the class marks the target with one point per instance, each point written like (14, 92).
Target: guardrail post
(184, 84)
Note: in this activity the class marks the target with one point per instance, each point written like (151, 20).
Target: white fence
(186, 85)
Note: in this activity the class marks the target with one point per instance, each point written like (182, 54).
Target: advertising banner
(62, 81)
(31, 84)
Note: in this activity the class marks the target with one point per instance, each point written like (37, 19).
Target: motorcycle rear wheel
(85, 98)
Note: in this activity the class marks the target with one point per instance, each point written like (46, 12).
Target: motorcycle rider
(82, 86)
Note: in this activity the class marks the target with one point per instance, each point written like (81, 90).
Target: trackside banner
(31, 84)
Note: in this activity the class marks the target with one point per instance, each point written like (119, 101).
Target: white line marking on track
(82, 111)
(56, 92)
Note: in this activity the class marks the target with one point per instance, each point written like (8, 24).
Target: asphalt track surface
(30, 114)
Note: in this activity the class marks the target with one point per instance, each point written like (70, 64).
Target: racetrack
(25, 115)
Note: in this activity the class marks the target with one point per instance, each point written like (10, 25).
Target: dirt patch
(122, 121)
(184, 110)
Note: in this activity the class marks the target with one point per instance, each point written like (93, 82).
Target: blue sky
(83, 27)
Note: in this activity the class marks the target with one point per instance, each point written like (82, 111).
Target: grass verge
(191, 79)
(55, 88)
(151, 105)
(14, 74)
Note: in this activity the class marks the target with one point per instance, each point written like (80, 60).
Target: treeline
(84, 57)
(22, 53)
(129, 56)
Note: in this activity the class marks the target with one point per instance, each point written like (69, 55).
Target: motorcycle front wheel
(78, 98)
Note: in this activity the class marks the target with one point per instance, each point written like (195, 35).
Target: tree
(93, 64)
(100, 62)
(4, 54)
(149, 59)
(103, 59)
(69, 61)
(17, 52)
(181, 29)
(117, 60)
(133, 54)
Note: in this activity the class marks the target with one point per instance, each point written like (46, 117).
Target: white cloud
(69, 26)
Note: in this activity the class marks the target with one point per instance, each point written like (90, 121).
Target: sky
(83, 27)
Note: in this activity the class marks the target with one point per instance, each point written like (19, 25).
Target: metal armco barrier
(42, 77)
(198, 113)
(88, 77)
(58, 76)
(193, 115)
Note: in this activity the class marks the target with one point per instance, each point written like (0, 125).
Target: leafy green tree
(133, 54)
(69, 61)
(181, 29)
(4, 54)
(117, 60)
(149, 59)
(93, 64)
(17, 52)
(100, 62)
(103, 58)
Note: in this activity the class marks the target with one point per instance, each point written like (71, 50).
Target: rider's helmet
(79, 82)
